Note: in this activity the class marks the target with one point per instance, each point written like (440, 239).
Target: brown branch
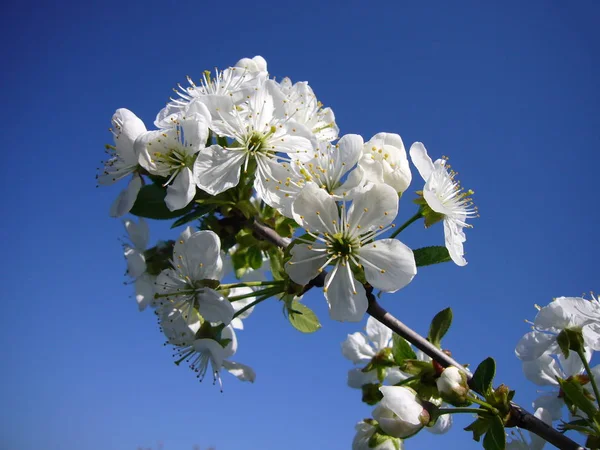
(519, 416)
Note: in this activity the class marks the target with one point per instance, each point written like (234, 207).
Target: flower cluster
(240, 153)
(557, 350)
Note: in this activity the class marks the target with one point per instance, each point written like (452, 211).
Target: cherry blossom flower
(446, 197)
(384, 160)
(124, 160)
(190, 283)
(347, 242)
(361, 348)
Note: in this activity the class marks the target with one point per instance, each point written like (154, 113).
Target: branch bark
(519, 416)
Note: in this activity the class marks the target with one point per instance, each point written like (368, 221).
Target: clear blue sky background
(509, 90)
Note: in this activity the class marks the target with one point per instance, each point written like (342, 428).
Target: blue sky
(508, 90)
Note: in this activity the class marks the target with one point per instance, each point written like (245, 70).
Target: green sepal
(150, 203)
(495, 437)
(563, 342)
(371, 395)
(213, 284)
(575, 397)
(302, 317)
(483, 377)
(478, 428)
(401, 349)
(439, 327)
(435, 254)
(417, 367)
(431, 217)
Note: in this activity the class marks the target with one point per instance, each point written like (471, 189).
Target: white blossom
(124, 160)
(400, 412)
(202, 352)
(364, 434)
(171, 153)
(360, 348)
(332, 168)
(445, 196)
(196, 266)
(302, 106)
(347, 242)
(262, 136)
(233, 85)
(384, 160)
(561, 313)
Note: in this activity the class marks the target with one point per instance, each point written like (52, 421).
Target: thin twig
(519, 416)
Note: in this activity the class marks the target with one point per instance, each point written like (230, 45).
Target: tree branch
(519, 416)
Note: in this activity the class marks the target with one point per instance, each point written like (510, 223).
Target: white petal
(348, 151)
(442, 425)
(124, 202)
(240, 371)
(199, 255)
(136, 263)
(181, 191)
(421, 160)
(375, 207)
(389, 264)
(315, 210)
(352, 186)
(356, 348)
(552, 404)
(394, 375)
(302, 267)
(144, 290)
(214, 307)
(239, 304)
(215, 351)
(542, 371)
(573, 365)
(454, 237)
(217, 169)
(346, 297)
(357, 378)
(378, 333)
(138, 233)
(533, 345)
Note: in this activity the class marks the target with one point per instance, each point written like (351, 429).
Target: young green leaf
(439, 327)
(150, 203)
(495, 438)
(427, 256)
(479, 428)
(484, 376)
(303, 318)
(402, 349)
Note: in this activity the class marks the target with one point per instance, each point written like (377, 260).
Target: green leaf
(427, 256)
(276, 260)
(574, 392)
(479, 428)
(495, 438)
(371, 395)
(150, 203)
(303, 318)
(439, 327)
(196, 213)
(402, 349)
(484, 376)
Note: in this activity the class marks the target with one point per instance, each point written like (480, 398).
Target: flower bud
(400, 413)
(370, 437)
(453, 386)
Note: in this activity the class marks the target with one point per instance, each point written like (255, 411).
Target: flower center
(341, 246)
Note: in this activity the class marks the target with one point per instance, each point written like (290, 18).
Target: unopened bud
(453, 386)
(400, 413)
